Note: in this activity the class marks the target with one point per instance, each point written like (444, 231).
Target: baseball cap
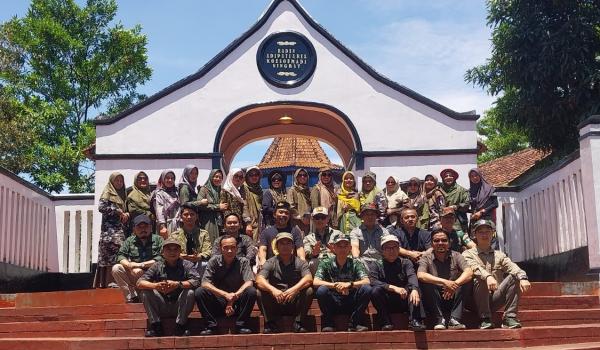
(168, 241)
(482, 222)
(142, 218)
(389, 238)
(320, 211)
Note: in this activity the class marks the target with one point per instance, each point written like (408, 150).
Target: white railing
(546, 217)
(44, 232)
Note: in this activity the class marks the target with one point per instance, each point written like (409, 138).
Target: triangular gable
(257, 26)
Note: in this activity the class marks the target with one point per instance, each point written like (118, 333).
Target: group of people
(224, 247)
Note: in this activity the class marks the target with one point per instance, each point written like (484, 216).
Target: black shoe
(181, 330)
(270, 327)
(298, 328)
(243, 330)
(358, 328)
(327, 329)
(133, 300)
(209, 331)
(388, 327)
(155, 330)
(416, 326)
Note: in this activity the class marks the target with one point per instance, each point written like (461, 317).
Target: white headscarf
(228, 186)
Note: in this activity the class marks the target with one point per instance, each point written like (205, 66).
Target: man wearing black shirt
(282, 224)
(413, 241)
(245, 245)
(395, 287)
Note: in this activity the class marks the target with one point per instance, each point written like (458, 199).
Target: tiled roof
(295, 152)
(504, 170)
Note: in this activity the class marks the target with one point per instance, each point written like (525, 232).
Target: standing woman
(483, 200)
(299, 198)
(254, 198)
(348, 205)
(233, 194)
(112, 231)
(390, 201)
(166, 204)
(275, 193)
(369, 188)
(416, 200)
(211, 208)
(435, 201)
(138, 200)
(457, 197)
(323, 195)
(187, 185)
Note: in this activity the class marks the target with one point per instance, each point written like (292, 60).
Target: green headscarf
(111, 194)
(141, 197)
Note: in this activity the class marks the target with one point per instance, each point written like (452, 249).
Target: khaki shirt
(492, 263)
(449, 269)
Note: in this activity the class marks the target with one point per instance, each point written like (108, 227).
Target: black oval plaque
(286, 59)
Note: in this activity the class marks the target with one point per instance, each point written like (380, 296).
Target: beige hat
(320, 210)
(389, 238)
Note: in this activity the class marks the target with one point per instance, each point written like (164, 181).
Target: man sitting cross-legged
(443, 274)
(167, 290)
(342, 287)
(498, 281)
(284, 286)
(395, 287)
(139, 251)
(227, 288)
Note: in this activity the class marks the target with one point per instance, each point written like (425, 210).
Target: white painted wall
(589, 149)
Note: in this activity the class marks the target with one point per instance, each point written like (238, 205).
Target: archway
(260, 121)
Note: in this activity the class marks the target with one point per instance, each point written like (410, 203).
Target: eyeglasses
(238, 176)
(440, 240)
(276, 180)
(320, 217)
(302, 175)
(326, 174)
(142, 178)
(253, 174)
(391, 247)
(390, 182)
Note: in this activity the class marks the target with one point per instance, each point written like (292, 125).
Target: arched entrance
(293, 118)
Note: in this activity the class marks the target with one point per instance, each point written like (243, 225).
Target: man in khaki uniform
(497, 280)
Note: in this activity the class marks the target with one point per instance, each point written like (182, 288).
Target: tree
(500, 139)
(68, 64)
(544, 68)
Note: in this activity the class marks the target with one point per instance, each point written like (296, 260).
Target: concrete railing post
(589, 144)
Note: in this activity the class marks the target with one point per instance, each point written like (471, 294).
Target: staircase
(555, 315)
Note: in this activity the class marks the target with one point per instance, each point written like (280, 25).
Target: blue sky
(424, 45)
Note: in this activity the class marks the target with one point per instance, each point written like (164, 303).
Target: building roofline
(261, 21)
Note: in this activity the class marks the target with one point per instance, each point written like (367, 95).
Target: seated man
(282, 224)
(459, 240)
(316, 243)
(413, 240)
(443, 274)
(395, 287)
(245, 244)
(193, 239)
(342, 287)
(498, 281)
(284, 286)
(139, 251)
(167, 290)
(227, 288)
(366, 238)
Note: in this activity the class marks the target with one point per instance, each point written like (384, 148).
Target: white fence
(44, 232)
(546, 217)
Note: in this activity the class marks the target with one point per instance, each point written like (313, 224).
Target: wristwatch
(180, 284)
(351, 285)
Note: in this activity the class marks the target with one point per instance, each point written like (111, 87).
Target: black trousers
(298, 307)
(437, 306)
(332, 303)
(211, 306)
(387, 302)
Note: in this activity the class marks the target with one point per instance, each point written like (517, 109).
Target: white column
(589, 142)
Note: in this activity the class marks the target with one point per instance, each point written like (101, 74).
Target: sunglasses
(326, 174)
(320, 217)
(390, 182)
(276, 180)
(302, 175)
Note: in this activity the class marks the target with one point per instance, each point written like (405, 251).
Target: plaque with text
(286, 59)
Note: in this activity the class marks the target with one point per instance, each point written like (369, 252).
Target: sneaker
(243, 330)
(440, 324)
(455, 324)
(486, 323)
(155, 330)
(133, 300)
(181, 330)
(299, 328)
(416, 326)
(387, 327)
(208, 331)
(358, 328)
(327, 329)
(270, 328)
(511, 323)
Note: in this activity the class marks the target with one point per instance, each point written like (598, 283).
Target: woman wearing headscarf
(138, 200)
(390, 201)
(299, 198)
(434, 201)
(483, 200)
(348, 204)
(456, 197)
(254, 198)
(166, 204)
(323, 195)
(187, 184)
(233, 194)
(112, 229)
(369, 188)
(416, 200)
(211, 208)
(275, 193)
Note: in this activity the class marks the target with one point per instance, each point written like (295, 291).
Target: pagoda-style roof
(297, 152)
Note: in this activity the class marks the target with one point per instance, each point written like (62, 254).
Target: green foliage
(500, 139)
(545, 67)
(65, 64)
